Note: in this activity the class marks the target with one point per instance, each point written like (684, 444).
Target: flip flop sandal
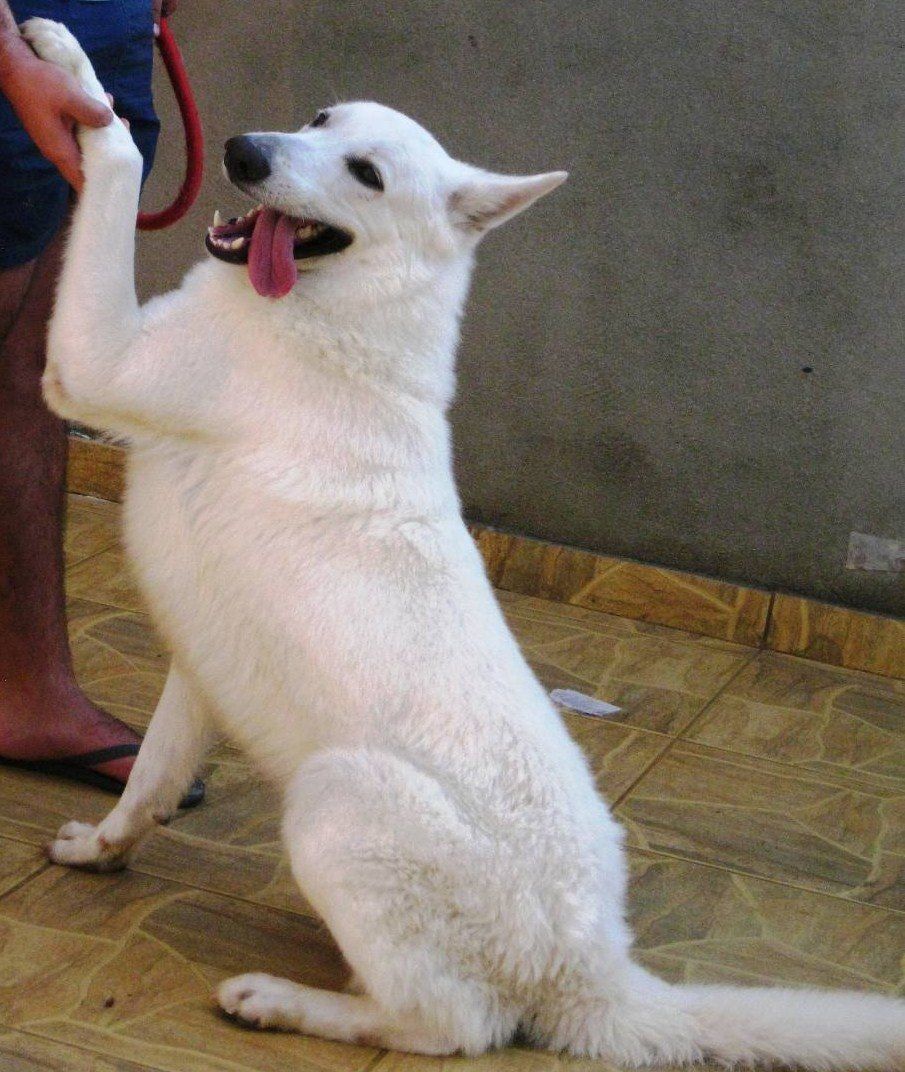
(80, 769)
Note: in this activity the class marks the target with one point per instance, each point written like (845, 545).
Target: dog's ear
(484, 200)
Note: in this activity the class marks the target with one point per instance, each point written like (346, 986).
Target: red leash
(194, 136)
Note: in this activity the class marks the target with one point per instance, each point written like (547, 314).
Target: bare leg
(43, 713)
(174, 745)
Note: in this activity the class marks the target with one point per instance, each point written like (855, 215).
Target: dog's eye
(365, 172)
(319, 120)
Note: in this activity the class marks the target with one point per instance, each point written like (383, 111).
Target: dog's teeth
(237, 243)
(218, 219)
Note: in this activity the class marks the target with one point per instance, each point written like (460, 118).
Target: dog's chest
(225, 583)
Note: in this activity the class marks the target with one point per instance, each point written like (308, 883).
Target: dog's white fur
(293, 519)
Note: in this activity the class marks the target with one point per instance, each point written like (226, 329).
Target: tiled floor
(764, 797)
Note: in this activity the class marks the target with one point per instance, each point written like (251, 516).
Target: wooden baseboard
(823, 632)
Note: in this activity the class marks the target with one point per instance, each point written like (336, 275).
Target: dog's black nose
(246, 159)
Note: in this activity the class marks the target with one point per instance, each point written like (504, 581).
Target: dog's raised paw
(55, 44)
(259, 1000)
(80, 845)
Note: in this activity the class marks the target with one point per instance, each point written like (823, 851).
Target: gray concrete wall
(632, 368)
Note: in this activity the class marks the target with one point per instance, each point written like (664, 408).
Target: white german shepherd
(292, 517)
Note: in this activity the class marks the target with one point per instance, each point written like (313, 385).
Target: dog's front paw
(55, 44)
(82, 845)
(260, 1000)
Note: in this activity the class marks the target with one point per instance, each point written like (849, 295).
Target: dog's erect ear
(485, 200)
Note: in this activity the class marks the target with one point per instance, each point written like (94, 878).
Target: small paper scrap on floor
(586, 705)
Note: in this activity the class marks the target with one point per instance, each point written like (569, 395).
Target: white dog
(292, 517)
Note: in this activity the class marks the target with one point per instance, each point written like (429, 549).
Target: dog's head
(360, 184)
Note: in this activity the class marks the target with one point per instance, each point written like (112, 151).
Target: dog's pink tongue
(271, 264)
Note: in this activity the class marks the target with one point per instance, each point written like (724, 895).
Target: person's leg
(43, 713)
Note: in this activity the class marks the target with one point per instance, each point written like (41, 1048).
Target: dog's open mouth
(270, 243)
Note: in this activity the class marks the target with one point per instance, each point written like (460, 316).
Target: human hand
(49, 103)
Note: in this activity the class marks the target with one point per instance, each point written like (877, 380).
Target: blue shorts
(118, 37)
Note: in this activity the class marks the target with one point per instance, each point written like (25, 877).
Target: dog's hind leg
(170, 753)
(381, 851)
(263, 1001)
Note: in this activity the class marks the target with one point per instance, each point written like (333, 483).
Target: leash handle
(194, 136)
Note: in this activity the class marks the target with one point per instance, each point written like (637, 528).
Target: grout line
(117, 542)
(613, 805)
(694, 862)
(39, 870)
(683, 735)
(674, 739)
(82, 1048)
(750, 760)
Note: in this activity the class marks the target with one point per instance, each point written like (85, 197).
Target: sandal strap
(103, 755)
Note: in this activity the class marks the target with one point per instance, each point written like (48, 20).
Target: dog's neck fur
(399, 331)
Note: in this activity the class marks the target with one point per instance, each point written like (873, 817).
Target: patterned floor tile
(258, 877)
(119, 661)
(124, 965)
(618, 755)
(513, 1059)
(18, 860)
(842, 723)
(230, 845)
(240, 811)
(768, 819)
(92, 525)
(702, 924)
(20, 1052)
(197, 849)
(105, 578)
(661, 678)
(34, 806)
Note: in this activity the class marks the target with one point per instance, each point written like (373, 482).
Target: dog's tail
(743, 1027)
